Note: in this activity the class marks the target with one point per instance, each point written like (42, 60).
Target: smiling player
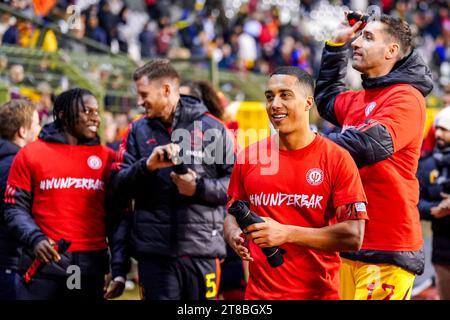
(313, 206)
(56, 190)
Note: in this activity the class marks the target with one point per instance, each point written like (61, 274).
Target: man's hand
(345, 33)
(162, 156)
(443, 209)
(45, 252)
(236, 241)
(186, 183)
(112, 289)
(267, 234)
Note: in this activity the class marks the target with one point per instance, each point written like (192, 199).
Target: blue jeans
(8, 284)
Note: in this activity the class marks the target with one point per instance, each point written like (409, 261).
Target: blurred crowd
(241, 36)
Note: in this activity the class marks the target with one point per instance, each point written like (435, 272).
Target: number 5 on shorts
(211, 287)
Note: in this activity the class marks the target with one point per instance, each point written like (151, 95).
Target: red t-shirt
(391, 185)
(303, 190)
(68, 189)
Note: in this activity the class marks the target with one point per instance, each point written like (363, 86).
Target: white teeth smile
(93, 128)
(279, 116)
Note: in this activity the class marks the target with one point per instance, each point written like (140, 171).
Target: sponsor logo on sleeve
(360, 207)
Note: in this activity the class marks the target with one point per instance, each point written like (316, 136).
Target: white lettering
(290, 200)
(72, 182)
(68, 183)
(266, 198)
(188, 310)
(283, 198)
(317, 203)
(304, 201)
(258, 199)
(313, 201)
(56, 183)
(297, 198)
(64, 183)
(74, 280)
(274, 198)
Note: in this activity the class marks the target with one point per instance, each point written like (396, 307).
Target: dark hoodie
(411, 70)
(165, 222)
(330, 83)
(369, 117)
(54, 133)
(9, 247)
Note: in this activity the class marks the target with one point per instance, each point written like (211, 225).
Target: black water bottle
(245, 217)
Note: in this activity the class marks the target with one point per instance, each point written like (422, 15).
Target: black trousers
(8, 284)
(56, 288)
(183, 278)
(78, 276)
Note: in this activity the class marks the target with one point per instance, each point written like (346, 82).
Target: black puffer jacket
(9, 247)
(434, 178)
(165, 222)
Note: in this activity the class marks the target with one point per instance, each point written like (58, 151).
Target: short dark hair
(67, 107)
(15, 114)
(303, 77)
(399, 30)
(156, 69)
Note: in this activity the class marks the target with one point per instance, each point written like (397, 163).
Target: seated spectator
(45, 103)
(11, 35)
(95, 32)
(147, 40)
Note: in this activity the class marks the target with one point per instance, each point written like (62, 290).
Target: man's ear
(167, 89)
(22, 132)
(393, 51)
(309, 103)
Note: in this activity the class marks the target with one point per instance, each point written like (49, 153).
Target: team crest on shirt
(94, 162)
(314, 176)
(369, 108)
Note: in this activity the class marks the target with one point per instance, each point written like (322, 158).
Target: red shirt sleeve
(347, 186)
(342, 103)
(236, 190)
(20, 175)
(402, 116)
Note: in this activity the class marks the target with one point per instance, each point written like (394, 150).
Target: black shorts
(184, 278)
